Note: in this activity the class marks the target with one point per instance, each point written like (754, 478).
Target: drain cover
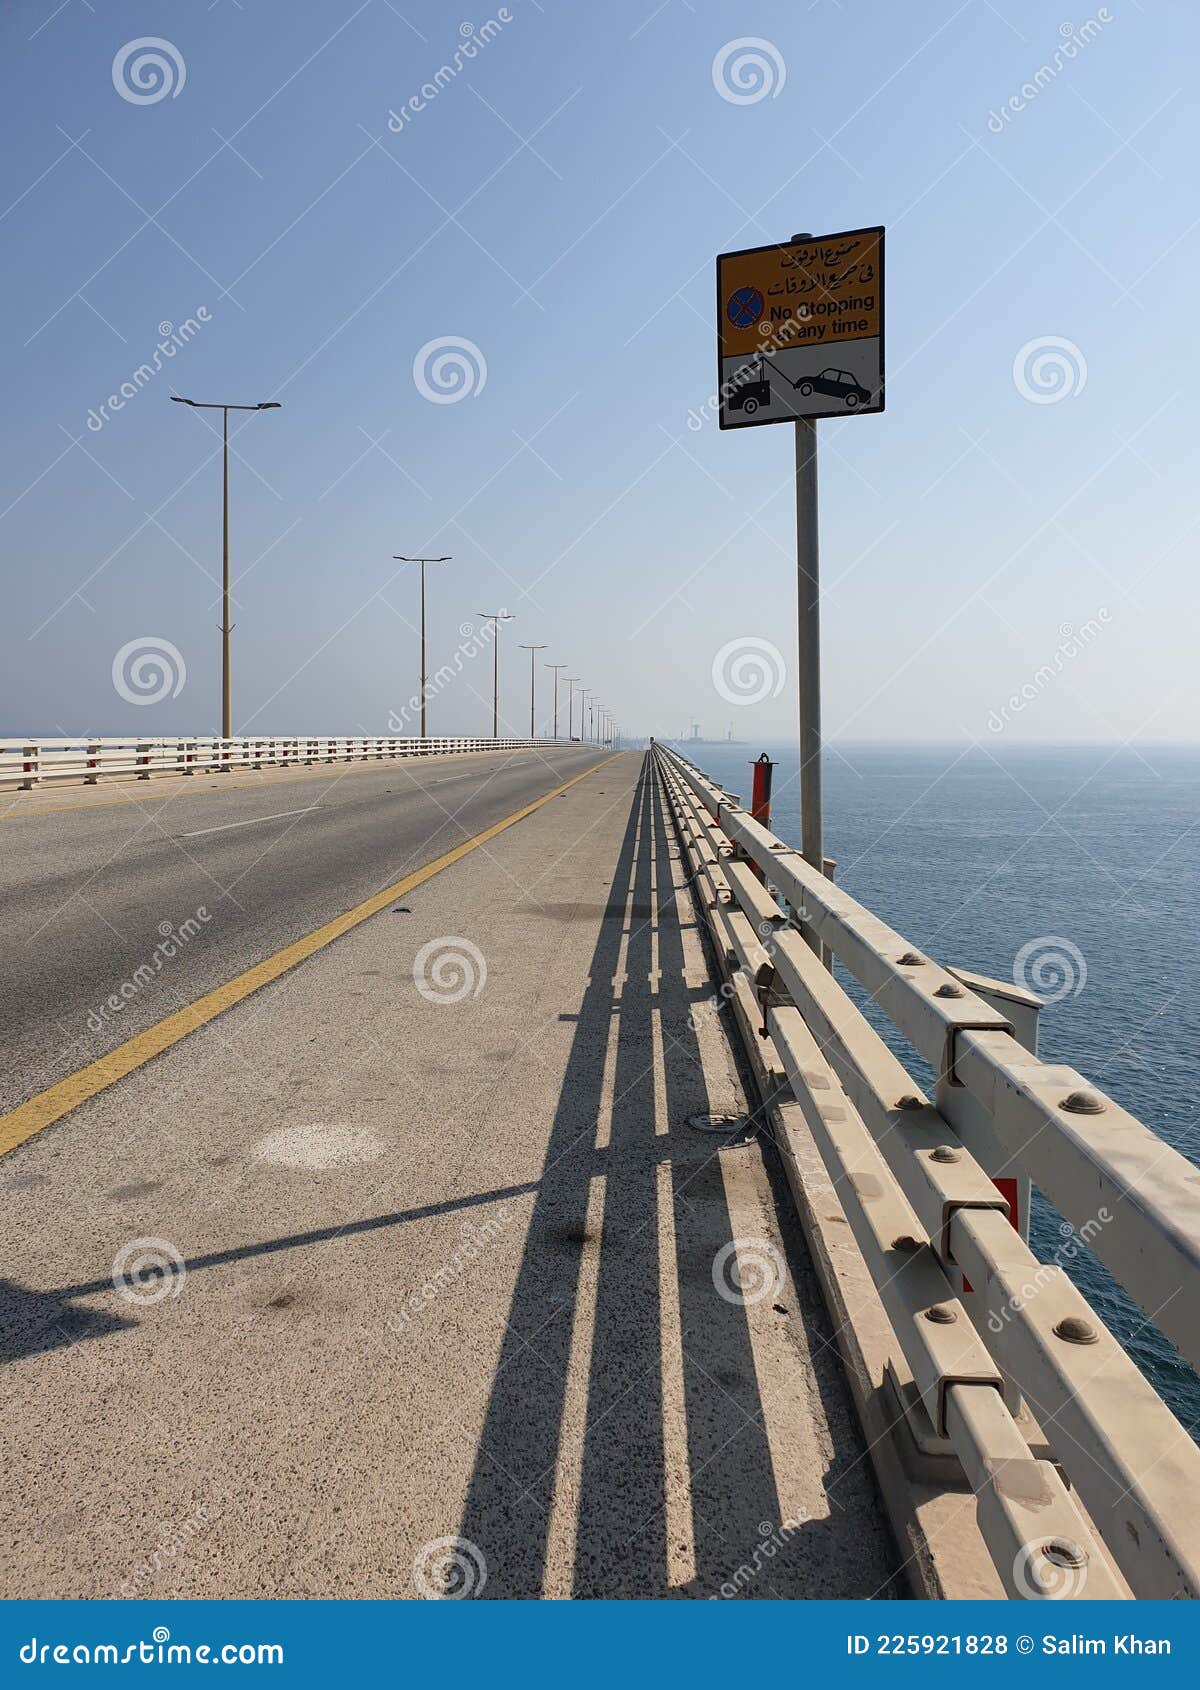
(723, 1126)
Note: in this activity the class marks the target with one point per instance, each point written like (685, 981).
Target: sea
(1074, 871)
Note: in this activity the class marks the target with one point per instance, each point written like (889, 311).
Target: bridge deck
(448, 1273)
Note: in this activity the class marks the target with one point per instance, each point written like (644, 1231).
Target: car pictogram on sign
(834, 384)
(744, 307)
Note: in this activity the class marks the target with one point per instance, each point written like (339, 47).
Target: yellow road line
(281, 775)
(58, 1100)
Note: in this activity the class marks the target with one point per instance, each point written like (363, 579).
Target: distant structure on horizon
(691, 735)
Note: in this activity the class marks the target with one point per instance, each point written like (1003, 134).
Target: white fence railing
(986, 1331)
(26, 763)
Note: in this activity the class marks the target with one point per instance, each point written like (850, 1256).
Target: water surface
(976, 854)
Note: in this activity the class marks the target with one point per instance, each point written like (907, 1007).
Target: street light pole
(809, 646)
(570, 680)
(398, 558)
(496, 617)
(556, 667)
(226, 625)
(532, 650)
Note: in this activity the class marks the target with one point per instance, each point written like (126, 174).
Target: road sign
(800, 329)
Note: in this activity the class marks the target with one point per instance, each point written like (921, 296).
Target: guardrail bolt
(1063, 1553)
(910, 959)
(941, 1314)
(949, 991)
(1073, 1329)
(909, 1101)
(1082, 1103)
(945, 1153)
(906, 1244)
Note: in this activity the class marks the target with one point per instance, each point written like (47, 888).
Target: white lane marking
(446, 779)
(471, 774)
(250, 821)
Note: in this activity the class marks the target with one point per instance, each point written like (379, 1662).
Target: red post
(760, 795)
(762, 769)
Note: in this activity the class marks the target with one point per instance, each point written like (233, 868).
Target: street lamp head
(216, 405)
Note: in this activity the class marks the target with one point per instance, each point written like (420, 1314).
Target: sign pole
(808, 646)
(800, 336)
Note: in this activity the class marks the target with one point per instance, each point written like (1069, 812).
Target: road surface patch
(60, 1099)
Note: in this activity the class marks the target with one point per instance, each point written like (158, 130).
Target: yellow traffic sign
(800, 329)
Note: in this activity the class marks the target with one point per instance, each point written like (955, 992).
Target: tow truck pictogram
(754, 394)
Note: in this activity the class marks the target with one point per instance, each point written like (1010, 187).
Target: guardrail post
(142, 756)
(973, 1125)
(93, 762)
(29, 768)
(969, 1117)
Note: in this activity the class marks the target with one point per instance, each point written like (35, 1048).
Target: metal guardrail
(980, 1324)
(26, 763)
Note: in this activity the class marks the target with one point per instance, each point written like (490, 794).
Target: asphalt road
(93, 896)
(449, 1270)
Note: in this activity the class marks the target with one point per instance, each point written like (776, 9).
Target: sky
(487, 314)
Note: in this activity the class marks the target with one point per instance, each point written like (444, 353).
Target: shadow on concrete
(34, 1321)
(587, 1282)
